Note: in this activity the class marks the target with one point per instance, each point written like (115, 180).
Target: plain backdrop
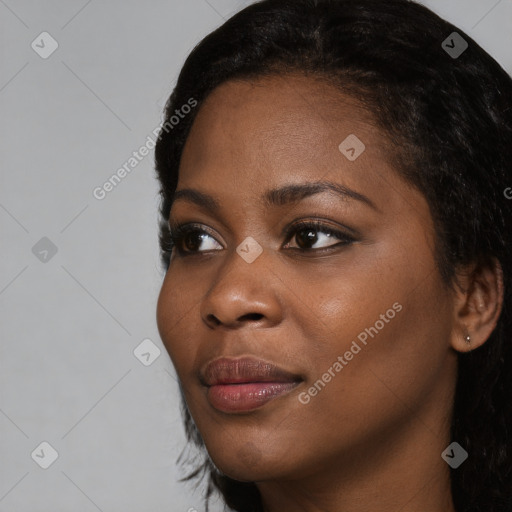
(80, 276)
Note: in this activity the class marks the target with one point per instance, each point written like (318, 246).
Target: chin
(247, 463)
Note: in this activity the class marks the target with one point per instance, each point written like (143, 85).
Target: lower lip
(247, 396)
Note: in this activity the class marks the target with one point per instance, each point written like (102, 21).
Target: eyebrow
(281, 196)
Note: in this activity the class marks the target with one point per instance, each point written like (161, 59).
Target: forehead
(267, 127)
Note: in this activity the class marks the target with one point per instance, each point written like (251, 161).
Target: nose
(242, 293)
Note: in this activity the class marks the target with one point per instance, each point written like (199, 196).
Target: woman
(336, 231)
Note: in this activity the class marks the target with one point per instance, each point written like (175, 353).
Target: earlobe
(461, 340)
(478, 304)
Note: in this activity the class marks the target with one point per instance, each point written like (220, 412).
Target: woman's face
(358, 323)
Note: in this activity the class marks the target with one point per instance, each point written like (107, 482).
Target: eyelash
(174, 237)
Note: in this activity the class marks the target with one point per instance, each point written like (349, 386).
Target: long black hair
(448, 118)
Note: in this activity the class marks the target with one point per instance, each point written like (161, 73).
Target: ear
(478, 302)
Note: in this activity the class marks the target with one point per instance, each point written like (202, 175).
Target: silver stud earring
(467, 339)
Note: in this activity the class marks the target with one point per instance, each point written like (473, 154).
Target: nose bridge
(241, 291)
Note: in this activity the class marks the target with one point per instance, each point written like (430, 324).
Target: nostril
(252, 316)
(213, 319)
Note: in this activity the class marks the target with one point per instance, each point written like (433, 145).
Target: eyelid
(175, 226)
(178, 230)
(312, 218)
(321, 222)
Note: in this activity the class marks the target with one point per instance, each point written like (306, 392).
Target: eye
(191, 239)
(306, 233)
(188, 239)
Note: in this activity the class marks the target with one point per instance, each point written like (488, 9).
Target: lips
(244, 384)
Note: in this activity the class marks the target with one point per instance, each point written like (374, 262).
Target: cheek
(394, 357)
(389, 320)
(345, 299)
(174, 313)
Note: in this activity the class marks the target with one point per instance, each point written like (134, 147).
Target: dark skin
(372, 438)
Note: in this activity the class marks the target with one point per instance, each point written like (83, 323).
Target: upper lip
(243, 370)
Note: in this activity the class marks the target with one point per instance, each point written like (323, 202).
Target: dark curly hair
(448, 120)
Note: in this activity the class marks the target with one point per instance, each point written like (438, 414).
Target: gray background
(70, 323)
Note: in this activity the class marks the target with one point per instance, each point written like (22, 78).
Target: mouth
(245, 384)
